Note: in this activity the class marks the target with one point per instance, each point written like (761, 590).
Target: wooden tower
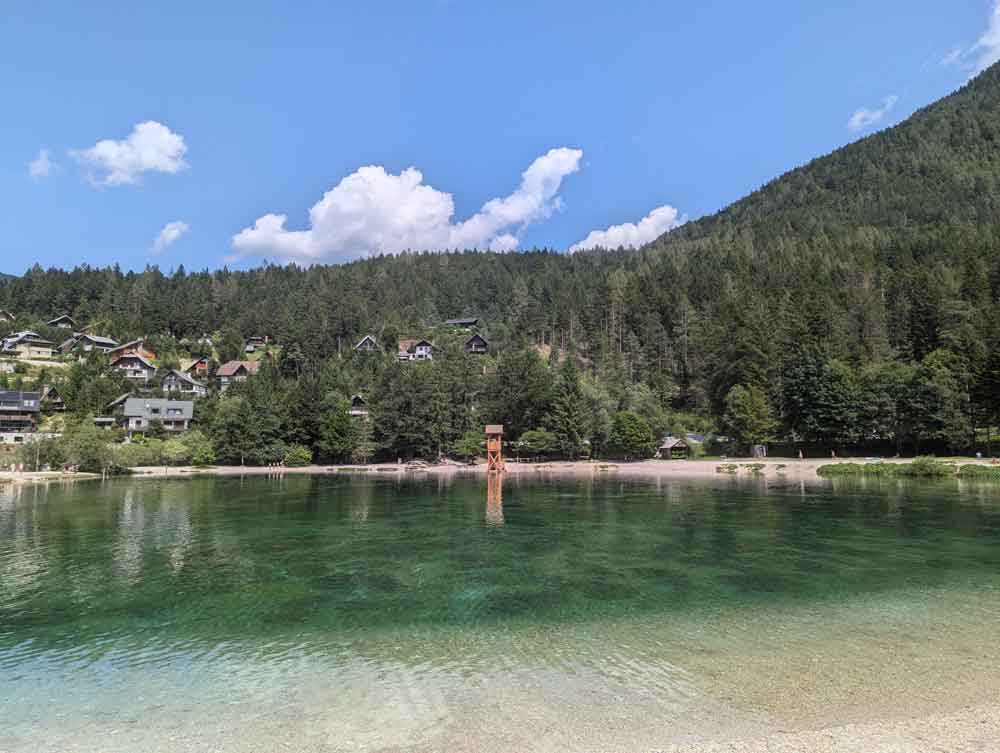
(494, 447)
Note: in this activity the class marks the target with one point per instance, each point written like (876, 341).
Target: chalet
(674, 448)
(116, 406)
(27, 344)
(18, 410)
(255, 342)
(477, 344)
(415, 350)
(359, 408)
(196, 368)
(134, 367)
(367, 344)
(175, 415)
(52, 400)
(134, 348)
(467, 323)
(176, 380)
(6, 316)
(7, 366)
(62, 322)
(83, 343)
(236, 371)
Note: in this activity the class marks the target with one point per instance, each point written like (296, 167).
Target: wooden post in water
(494, 448)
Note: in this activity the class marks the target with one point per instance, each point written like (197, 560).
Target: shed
(674, 448)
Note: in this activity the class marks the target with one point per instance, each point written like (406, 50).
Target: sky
(230, 134)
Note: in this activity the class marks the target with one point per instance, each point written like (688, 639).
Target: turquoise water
(363, 613)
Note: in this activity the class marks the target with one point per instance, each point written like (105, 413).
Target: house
(134, 367)
(674, 448)
(415, 350)
(359, 408)
(467, 323)
(18, 410)
(62, 322)
(105, 422)
(84, 343)
(6, 316)
(255, 342)
(477, 344)
(52, 400)
(27, 344)
(140, 412)
(136, 347)
(7, 366)
(176, 380)
(236, 371)
(367, 344)
(196, 368)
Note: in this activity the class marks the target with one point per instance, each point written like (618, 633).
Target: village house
(467, 323)
(139, 413)
(367, 344)
(235, 371)
(65, 321)
(6, 316)
(255, 342)
(415, 350)
(196, 368)
(52, 400)
(136, 347)
(27, 344)
(359, 408)
(134, 367)
(83, 343)
(7, 366)
(477, 345)
(18, 410)
(176, 380)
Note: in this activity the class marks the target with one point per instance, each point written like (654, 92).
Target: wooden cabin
(674, 448)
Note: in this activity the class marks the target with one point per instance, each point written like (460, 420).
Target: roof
(408, 346)
(477, 336)
(7, 314)
(142, 406)
(358, 399)
(366, 338)
(671, 442)
(471, 321)
(61, 318)
(183, 377)
(229, 369)
(140, 341)
(106, 342)
(118, 401)
(26, 336)
(135, 356)
(494, 429)
(192, 362)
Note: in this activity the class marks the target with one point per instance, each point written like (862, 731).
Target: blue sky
(610, 111)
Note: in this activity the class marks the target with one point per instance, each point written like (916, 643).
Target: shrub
(297, 456)
(631, 437)
(927, 468)
(979, 471)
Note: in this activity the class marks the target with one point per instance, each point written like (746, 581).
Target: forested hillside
(850, 301)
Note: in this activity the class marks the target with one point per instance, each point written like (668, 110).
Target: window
(155, 411)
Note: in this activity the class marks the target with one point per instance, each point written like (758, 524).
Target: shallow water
(356, 613)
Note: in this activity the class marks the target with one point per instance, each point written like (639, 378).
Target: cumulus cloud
(41, 166)
(866, 118)
(987, 49)
(151, 147)
(374, 211)
(170, 234)
(632, 234)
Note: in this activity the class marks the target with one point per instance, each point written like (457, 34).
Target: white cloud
(987, 49)
(151, 147)
(41, 166)
(170, 234)
(953, 57)
(865, 118)
(631, 234)
(373, 211)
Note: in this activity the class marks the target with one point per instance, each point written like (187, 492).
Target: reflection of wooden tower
(494, 447)
(494, 499)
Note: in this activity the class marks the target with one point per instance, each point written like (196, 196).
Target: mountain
(854, 298)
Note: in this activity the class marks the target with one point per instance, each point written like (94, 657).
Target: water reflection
(494, 498)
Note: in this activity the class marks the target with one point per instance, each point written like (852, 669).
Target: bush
(927, 468)
(176, 452)
(979, 471)
(297, 456)
(631, 437)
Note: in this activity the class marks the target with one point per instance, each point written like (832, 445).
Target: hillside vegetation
(852, 301)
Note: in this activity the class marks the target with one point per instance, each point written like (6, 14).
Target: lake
(377, 613)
